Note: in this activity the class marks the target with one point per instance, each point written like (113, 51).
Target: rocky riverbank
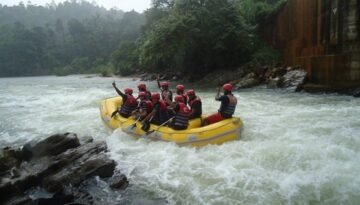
(292, 78)
(58, 164)
(247, 76)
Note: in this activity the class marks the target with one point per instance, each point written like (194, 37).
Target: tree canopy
(188, 36)
(199, 36)
(66, 38)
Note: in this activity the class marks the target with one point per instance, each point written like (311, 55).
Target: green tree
(125, 58)
(63, 38)
(197, 36)
(59, 26)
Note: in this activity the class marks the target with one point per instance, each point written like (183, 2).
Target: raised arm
(118, 91)
(218, 93)
(158, 81)
(170, 95)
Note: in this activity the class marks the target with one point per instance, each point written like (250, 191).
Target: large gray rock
(250, 80)
(274, 82)
(53, 164)
(52, 145)
(293, 80)
(220, 77)
(77, 165)
(118, 181)
(10, 158)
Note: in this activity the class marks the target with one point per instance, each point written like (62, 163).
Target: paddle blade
(147, 134)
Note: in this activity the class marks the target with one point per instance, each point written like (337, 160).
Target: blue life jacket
(229, 110)
(128, 106)
(182, 116)
(162, 115)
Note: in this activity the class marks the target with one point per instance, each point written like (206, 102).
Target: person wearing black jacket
(129, 103)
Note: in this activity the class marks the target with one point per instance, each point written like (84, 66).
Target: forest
(78, 37)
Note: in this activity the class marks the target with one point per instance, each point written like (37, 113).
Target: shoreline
(250, 75)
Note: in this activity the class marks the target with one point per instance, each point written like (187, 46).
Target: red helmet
(142, 94)
(164, 84)
(180, 87)
(128, 91)
(190, 92)
(155, 96)
(142, 86)
(179, 98)
(227, 87)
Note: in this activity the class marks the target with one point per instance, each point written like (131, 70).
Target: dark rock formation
(51, 146)
(223, 76)
(293, 79)
(166, 75)
(246, 76)
(118, 181)
(248, 81)
(250, 75)
(356, 93)
(11, 158)
(54, 163)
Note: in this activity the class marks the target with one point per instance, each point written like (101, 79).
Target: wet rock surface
(246, 76)
(118, 181)
(356, 93)
(54, 164)
(250, 75)
(273, 76)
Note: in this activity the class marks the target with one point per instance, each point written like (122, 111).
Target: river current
(296, 148)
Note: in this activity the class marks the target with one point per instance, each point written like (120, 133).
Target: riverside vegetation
(188, 36)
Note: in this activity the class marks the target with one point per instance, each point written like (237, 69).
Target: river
(296, 148)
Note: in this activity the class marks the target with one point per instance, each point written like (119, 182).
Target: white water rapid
(296, 148)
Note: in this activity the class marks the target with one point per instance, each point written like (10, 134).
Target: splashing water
(296, 148)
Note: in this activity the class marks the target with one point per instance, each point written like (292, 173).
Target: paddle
(149, 132)
(133, 125)
(205, 122)
(114, 113)
(146, 124)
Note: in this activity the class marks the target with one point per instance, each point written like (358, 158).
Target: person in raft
(142, 88)
(182, 113)
(227, 107)
(144, 108)
(159, 114)
(129, 102)
(180, 90)
(194, 104)
(166, 94)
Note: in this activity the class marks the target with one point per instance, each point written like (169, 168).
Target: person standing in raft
(227, 107)
(129, 102)
(194, 104)
(142, 88)
(144, 108)
(166, 94)
(180, 90)
(182, 113)
(159, 114)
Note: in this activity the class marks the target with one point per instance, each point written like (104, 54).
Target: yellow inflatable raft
(195, 135)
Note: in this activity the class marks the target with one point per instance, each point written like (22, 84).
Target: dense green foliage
(258, 11)
(188, 36)
(203, 35)
(68, 38)
(198, 36)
